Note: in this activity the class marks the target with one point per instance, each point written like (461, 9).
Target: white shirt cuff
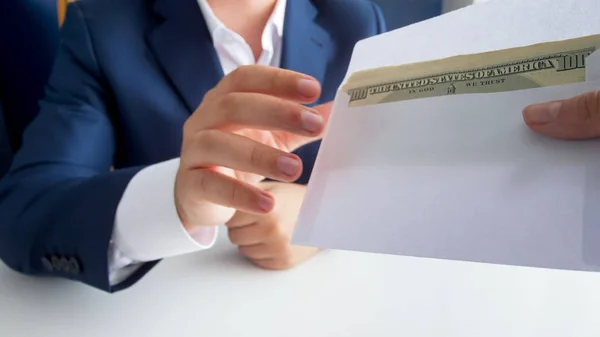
(147, 226)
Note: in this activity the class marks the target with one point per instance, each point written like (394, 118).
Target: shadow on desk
(29, 286)
(226, 257)
(221, 262)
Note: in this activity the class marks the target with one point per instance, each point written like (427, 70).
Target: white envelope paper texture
(461, 177)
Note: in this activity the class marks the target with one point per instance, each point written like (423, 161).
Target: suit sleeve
(58, 200)
(381, 26)
(5, 150)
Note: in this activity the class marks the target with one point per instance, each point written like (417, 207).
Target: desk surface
(217, 293)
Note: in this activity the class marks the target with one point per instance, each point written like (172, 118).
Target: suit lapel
(306, 45)
(183, 47)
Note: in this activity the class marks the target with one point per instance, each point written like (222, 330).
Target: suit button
(56, 263)
(47, 264)
(60, 264)
(73, 266)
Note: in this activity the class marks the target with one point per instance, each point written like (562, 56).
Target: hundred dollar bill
(534, 66)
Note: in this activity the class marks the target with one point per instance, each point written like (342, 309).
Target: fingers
(575, 118)
(218, 148)
(257, 233)
(260, 241)
(273, 81)
(266, 251)
(324, 110)
(274, 264)
(259, 111)
(241, 219)
(294, 141)
(275, 257)
(213, 187)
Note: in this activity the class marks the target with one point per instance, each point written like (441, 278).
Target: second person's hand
(576, 118)
(243, 131)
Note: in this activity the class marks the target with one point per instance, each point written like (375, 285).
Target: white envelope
(461, 177)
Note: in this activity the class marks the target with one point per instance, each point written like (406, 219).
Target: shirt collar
(276, 20)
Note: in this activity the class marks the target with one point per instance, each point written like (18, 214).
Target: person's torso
(157, 59)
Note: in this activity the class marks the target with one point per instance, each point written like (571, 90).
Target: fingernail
(265, 202)
(543, 113)
(311, 121)
(288, 166)
(308, 88)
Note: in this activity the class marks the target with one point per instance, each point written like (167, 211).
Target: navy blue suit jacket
(5, 150)
(127, 76)
(29, 39)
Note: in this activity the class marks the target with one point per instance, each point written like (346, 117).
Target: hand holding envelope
(460, 177)
(574, 118)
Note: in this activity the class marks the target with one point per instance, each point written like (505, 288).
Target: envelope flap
(489, 26)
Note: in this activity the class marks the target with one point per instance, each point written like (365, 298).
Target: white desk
(216, 293)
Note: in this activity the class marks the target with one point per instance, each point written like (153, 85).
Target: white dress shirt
(147, 226)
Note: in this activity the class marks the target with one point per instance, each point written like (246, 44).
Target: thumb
(574, 118)
(294, 142)
(241, 219)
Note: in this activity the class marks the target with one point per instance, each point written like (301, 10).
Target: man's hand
(265, 239)
(242, 132)
(575, 118)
